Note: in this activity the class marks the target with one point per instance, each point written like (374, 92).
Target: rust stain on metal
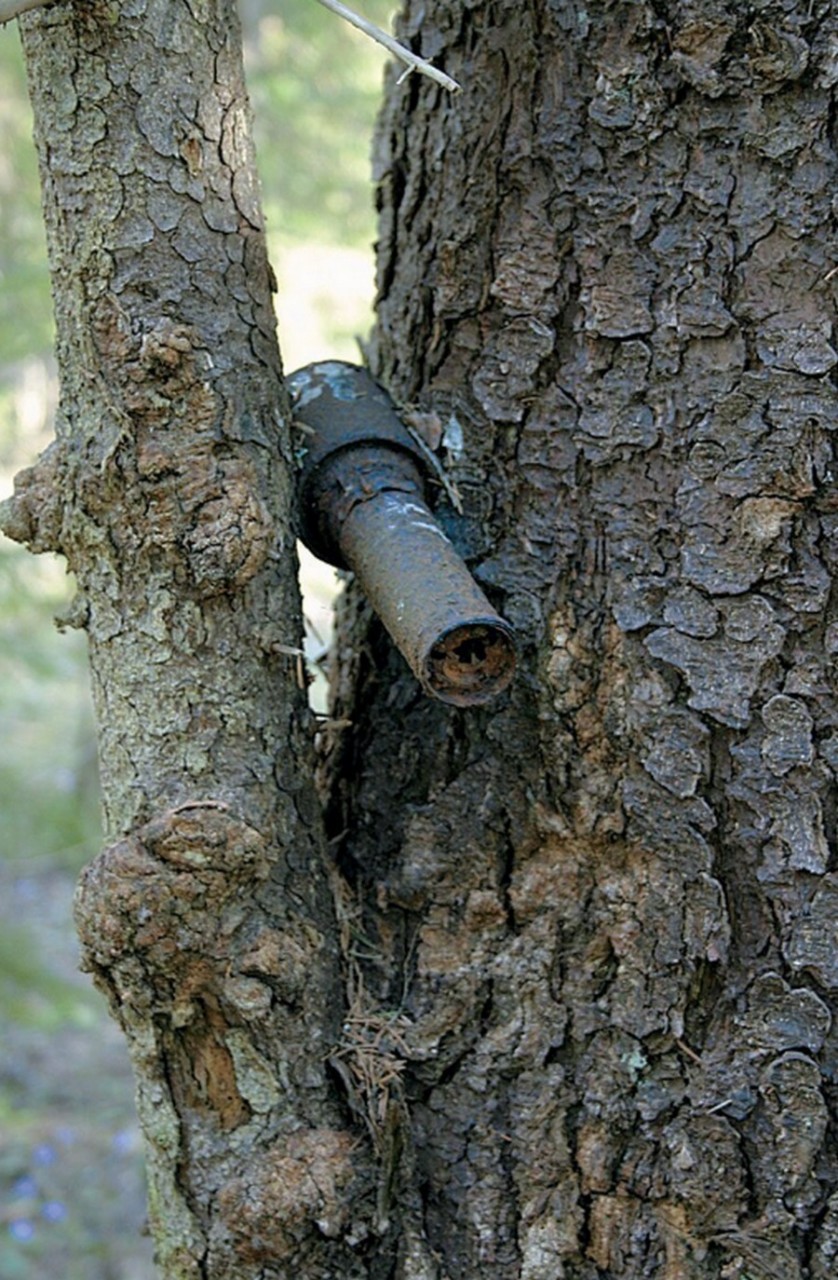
(362, 507)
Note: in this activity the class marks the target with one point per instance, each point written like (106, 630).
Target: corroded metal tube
(362, 507)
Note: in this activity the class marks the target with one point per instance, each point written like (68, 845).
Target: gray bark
(607, 908)
(207, 919)
(587, 941)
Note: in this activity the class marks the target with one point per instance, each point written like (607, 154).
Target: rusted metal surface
(362, 507)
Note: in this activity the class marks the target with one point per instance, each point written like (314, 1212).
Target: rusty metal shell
(361, 500)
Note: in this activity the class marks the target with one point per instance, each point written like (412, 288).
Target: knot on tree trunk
(304, 1182)
(152, 903)
(35, 513)
(180, 476)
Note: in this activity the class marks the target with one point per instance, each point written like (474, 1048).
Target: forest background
(72, 1199)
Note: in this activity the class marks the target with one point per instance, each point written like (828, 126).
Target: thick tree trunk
(606, 909)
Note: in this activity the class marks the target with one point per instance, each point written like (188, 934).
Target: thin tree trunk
(207, 919)
(605, 910)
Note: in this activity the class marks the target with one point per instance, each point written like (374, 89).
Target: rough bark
(207, 919)
(605, 910)
(587, 940)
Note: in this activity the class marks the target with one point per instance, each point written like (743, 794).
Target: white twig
(14, 8)
(413, 62)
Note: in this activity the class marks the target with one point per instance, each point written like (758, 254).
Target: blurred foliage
(31, 994)
(315, 83)
(25, 315)
(48, 792)
(57, 1220)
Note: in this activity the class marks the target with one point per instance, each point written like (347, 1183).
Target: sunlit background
(71, 1190)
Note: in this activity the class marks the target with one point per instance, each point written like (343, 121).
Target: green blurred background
(71, 1190)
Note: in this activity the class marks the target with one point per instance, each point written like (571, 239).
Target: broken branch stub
(362, 507)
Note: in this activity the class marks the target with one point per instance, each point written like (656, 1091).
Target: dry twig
(412, 60)
(14, 8)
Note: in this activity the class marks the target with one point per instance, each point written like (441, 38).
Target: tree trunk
(606, 908)
(207, 920)
(587, 936)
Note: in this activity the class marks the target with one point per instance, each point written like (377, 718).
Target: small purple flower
(21, 1229)
(53, 1211)
(123, 1142)
(26, 888)
(25, 1188)
(44, 1154)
